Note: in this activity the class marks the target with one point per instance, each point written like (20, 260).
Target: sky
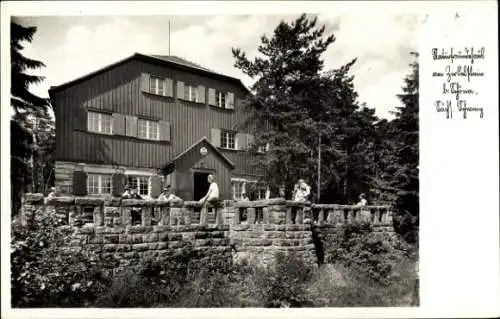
(72, 46)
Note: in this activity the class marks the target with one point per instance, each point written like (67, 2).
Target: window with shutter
(220, 99)
(228, 140)
(99, 184)
(156, 85)
(147, 129)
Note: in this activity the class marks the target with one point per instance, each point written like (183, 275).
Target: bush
(373, 254)
(45, 273)
(370, 269)
(282, 285)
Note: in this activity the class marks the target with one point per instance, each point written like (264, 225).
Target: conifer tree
(30, 112)
(289, 95)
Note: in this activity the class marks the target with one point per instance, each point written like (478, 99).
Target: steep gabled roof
(168, 61)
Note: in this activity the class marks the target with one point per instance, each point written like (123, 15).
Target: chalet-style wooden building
(149, 121)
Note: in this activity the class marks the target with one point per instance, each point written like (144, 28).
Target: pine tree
(294, 102)
(29, 109)
(402, 180)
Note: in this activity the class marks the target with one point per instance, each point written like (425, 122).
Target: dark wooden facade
(119, 89)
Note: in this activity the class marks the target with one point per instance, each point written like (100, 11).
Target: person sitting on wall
(54, 192)
(244, 197)
(301, 191)
(126, 193)
(212, 195)
(362, 200)
(131, 193)
(168, 195)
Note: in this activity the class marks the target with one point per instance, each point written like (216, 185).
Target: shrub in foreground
(45, 273)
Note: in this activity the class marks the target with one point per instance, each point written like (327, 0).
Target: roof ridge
(181, 60)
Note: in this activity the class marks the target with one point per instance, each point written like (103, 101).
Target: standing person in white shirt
(213, 192)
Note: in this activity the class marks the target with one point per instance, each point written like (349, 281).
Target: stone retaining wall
(133, 230)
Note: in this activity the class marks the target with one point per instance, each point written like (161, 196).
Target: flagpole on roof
(168, 37)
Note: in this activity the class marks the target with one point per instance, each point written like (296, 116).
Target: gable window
(147, 129)
(191, 93)
(156, 85)
(99, 123)
(220, 99)
(98, 184)
(141, 183)
(227, 139)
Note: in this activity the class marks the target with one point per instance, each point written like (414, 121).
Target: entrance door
(200, 185)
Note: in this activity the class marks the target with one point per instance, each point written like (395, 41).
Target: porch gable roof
(170, 166)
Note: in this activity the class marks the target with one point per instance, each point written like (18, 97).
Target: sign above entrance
(203, 151)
